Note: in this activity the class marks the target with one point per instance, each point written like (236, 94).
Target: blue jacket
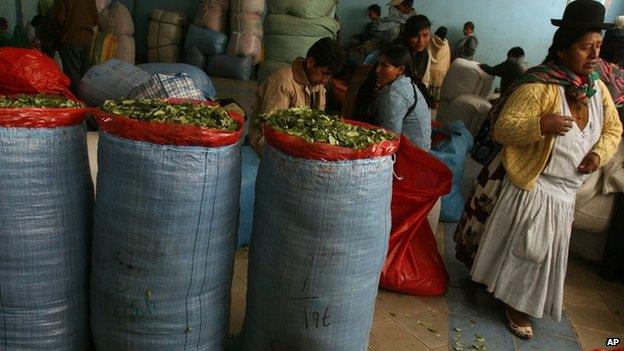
(390, 107)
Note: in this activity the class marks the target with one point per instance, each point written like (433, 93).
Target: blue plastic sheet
(240, 68)
(46, 199)
(249, 171)
(163, 249)
(453, 151)
(209, 42)
(319, 242)
(199, 77)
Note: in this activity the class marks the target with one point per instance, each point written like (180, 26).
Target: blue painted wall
(500, 24)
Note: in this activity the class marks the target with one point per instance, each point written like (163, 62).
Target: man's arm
(497, 70)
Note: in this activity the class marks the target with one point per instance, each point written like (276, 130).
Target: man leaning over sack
(300, 84)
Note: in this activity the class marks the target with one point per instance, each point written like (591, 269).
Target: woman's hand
(556, 124)
(589, 164)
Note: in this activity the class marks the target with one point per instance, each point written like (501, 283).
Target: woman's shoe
(521, 332)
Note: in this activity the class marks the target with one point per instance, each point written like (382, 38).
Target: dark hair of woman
(398, 56)
(563, 40)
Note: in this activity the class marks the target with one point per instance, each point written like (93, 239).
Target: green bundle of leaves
(37, 101)
(316, 126)
(184, 113)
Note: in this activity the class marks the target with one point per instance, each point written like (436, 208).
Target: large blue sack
(209, 42)
(46, 199)
(319, 241)
(163, 248)
(194, 57)
(249, 171)
(199, 77)
(111, 80)
(233, 67)
(453, 151)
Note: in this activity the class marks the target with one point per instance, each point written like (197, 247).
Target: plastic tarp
(453, 150)
(309, 27)
(240, 68)
(286, 48)
(45, 226)
(305, 9)
(414, 264)
(166, 218)
(319, 240)
(208, 42)
(194, 57)
(199, 77)
(111, 80)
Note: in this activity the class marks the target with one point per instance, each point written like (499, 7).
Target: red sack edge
(42, 117)
(165, 133)
(297, 147)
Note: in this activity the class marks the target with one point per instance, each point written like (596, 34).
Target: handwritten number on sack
(315, 319)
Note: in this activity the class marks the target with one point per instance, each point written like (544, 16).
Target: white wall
(500, 24)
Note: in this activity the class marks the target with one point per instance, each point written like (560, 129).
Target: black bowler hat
(583, 14)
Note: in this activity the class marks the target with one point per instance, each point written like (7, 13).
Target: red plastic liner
(41, 117)
(297, 147)
(29, 71)
(413, 263)
(169, 133)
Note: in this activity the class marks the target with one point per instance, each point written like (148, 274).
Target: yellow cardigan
(525, 149)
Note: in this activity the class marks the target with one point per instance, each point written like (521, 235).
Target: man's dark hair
(441, 32)
(327, 53)
(415, 24)
(36, 21)
(515, 52)
(469, 25)
(375, 8)
(408, 3)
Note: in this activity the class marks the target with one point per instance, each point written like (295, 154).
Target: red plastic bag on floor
(298, 147)
(413, 264)
(164, 133)
(29, 71)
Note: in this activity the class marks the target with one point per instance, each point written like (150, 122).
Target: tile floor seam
(416, 336)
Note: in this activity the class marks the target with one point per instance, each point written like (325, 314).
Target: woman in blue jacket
(399, 106)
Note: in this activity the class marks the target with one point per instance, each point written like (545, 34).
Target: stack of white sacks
(291, 27)
(206, 42)
(246, 25)
(166, 36)
(116, 19)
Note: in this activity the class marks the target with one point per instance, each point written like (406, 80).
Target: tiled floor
(408, 323)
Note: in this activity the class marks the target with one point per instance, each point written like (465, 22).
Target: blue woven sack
(453, 151)
(46, 199)
(249, 171)
(163, 249)
(320, 236)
